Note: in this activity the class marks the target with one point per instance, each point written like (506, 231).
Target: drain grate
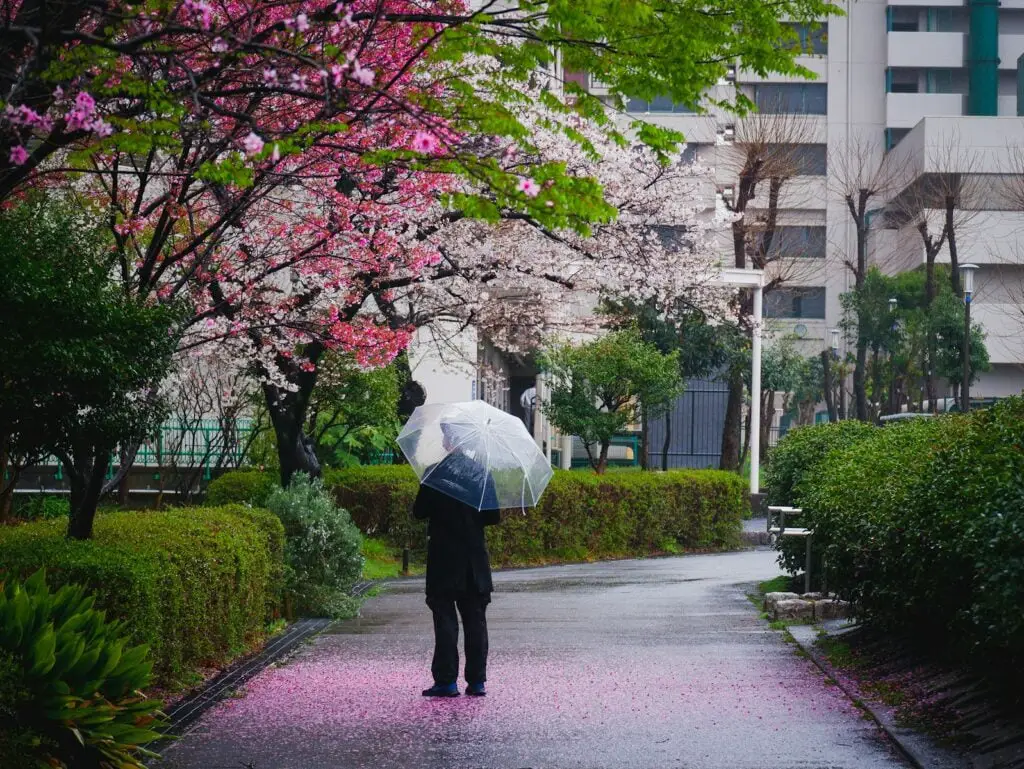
(186, 712)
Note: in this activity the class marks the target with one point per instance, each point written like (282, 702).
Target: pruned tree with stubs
(761, 166)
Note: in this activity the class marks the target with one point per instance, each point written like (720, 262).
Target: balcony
(905, 110)
(1011, 47)
(943, 50)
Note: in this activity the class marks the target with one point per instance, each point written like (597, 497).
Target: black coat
(457, 559)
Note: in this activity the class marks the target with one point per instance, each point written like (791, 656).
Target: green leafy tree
(82, 361)
(900, 342)
(599, 388)
(353, 411)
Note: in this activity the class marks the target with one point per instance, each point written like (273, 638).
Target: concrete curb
(918, 749)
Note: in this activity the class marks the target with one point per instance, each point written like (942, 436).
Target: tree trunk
(295, 450)
(86, 473)
(667, 444)
(288, 409)
(746, 440)
(954, 257)
(767, 416)
(602, 460)
(860, 380)
(7, 500)
(644, 433)
(730, 459)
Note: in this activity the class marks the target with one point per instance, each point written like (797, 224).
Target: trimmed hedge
(922, 526)
(581, 515)
(198, 585)
(793, 464)
(242, 487)
(798, 454)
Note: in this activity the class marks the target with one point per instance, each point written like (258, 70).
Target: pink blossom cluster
(82, 117)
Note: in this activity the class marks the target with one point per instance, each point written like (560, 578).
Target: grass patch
(780, 584)
(384, 561)
(838, 653)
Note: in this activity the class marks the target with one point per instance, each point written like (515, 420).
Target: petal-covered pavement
(645, 664)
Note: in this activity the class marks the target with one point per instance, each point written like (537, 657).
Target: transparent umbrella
(475, 453)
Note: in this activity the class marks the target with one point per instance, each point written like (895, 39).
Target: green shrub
(323, 558)
(854, 502)
(242, 487)
(795, 461)
(922, 526)
(69, 687)
(379, 499)
(799, 453)
(42, 507)
(197, 585)
(581, 515)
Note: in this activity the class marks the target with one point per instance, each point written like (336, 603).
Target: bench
(779, 513)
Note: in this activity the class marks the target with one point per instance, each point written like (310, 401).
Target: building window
(939, 81)
(902, 19)
(806, 159)
(659, 104)
(696, 153)
(941, 20)
(902, 80)
(795, 302)
(813, 38)
(893, 136)
(792, 98)
(582, 79)
(674, 237)
(797, 242)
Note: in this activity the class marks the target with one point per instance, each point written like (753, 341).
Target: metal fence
(694, 427)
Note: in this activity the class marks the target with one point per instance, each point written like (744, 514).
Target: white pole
(755, 395)
(566, 456)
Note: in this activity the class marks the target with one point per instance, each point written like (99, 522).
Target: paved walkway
(633, 664)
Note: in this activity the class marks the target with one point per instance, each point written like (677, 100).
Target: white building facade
(914, 87)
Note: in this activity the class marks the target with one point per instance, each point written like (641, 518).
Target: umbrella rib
(487, 473)
(457, 445)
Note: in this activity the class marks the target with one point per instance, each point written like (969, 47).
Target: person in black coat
(458, 567)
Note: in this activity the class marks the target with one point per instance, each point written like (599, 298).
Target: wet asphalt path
(624, 665)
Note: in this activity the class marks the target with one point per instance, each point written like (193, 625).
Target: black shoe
(442, 690)
(476, 690)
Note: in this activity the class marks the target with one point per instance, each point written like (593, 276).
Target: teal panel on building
(983, 58)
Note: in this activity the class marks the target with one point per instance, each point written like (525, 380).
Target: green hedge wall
(581, 515)
(198, 585)
(796, 462)
(922, 525)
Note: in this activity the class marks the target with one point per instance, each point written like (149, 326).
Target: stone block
(831, 609)
(770, 599)
(793, 609)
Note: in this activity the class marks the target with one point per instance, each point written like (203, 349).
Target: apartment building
(920, 90)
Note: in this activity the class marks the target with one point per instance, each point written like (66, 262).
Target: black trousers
(473, 608)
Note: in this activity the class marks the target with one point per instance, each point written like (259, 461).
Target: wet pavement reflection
(659, 663)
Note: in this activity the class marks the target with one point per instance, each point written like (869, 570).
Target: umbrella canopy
(475, 453)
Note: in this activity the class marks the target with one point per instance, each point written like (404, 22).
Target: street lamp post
(893, 328)
(967, 280)
(839, 374)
